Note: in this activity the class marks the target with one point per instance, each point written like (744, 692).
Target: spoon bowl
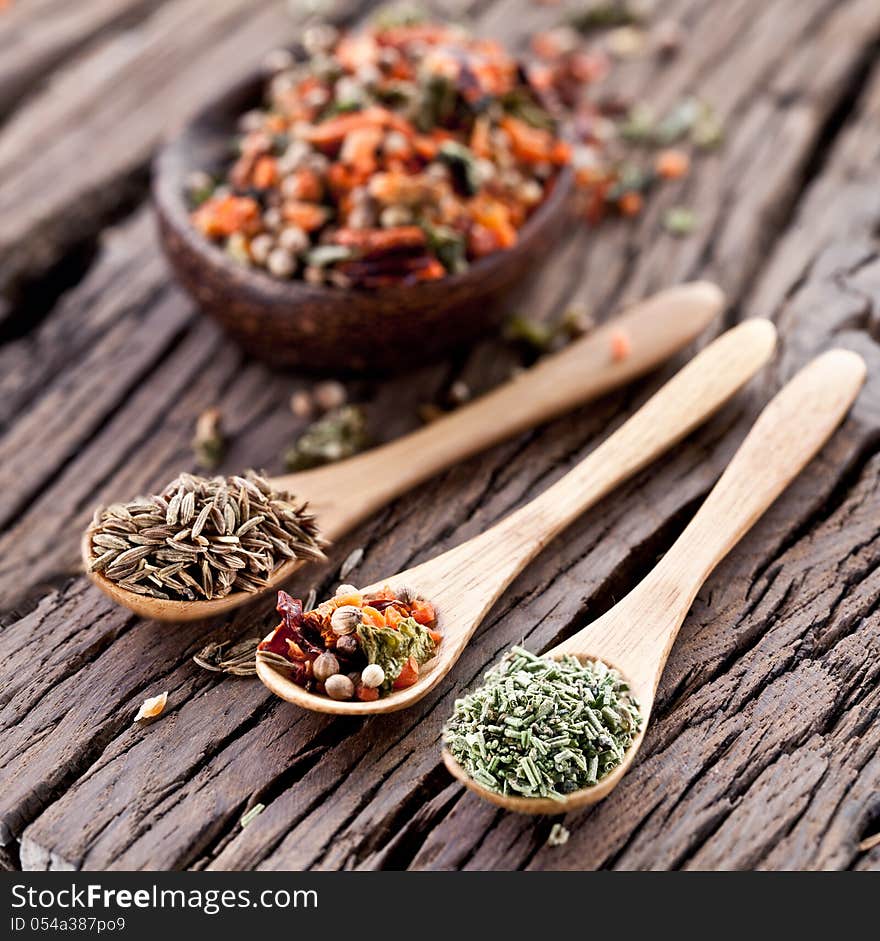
(637, 634)
(463, 583)
(343, 495)
(547, 805)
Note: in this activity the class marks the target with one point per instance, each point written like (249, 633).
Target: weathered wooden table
(764, 749)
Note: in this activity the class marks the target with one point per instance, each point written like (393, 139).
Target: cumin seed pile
(201, 538)
(543, 728)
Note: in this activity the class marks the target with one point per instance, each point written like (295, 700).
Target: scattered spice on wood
(150, 708)
(558, 835)
(602, 14)
(339, 434)
(679, 221)
(237, 659)
(621, 346)
(251, 815)
(209, 443)
(355, 645)
(538, 727)
(202, 537)
(351, 562)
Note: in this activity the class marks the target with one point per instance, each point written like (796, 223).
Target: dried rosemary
(543, 728)
(201, 538)
(339, 434)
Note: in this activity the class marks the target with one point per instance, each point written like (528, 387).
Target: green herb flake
(462, 164)
(252, 815)
(605, 14)
(340, 434)
(679, 221)
(448, 245)
(531, 715)
(391, 647)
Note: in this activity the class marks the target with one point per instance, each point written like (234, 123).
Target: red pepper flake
(621, 346)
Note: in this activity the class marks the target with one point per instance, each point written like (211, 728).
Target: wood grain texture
(764, 749)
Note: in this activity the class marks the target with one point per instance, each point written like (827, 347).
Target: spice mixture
(397, 154)
(408, 150)
(201, 538)
(356, 645)
(543, 728)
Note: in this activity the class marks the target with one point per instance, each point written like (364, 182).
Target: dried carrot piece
(423, 612)
(366, 693)
(480, 143)
(495, 216)
(304, 185)
(308, 216)
(373, 616)
(672, 164)
(265, 172)
(219, 218)
(631, 203)
(408, 675)
(621, 346)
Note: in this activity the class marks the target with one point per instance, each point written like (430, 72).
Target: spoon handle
(696, 392)
(481, 568)
(788, 434)
(655, 329)
(637, 634)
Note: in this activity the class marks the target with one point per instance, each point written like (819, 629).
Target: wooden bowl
(327, 328)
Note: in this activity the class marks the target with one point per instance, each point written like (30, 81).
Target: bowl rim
(169, 169)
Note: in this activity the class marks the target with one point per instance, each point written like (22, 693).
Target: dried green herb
(252, 814)
(391, 647)
(521, 104)
(678, 122)
(209, 442)
(708, 130)
(448, 245)
(543, 728)
(536, 335)
(462, 165)
(341, 433)
(679, 221)
(604, 15)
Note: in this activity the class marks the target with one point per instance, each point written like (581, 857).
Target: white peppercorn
(339, 686)
(345, 589)
(278, 59)
(280, 263)
(261, 248)
(301, 404)
(329, 395)
(373, 675)
(272, 219)
(325, 666)
(346, 619)
(392, 216)
(293, 239)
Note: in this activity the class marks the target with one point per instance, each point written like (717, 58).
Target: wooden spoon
(343, 495)
(465, 582)
(636, 635)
